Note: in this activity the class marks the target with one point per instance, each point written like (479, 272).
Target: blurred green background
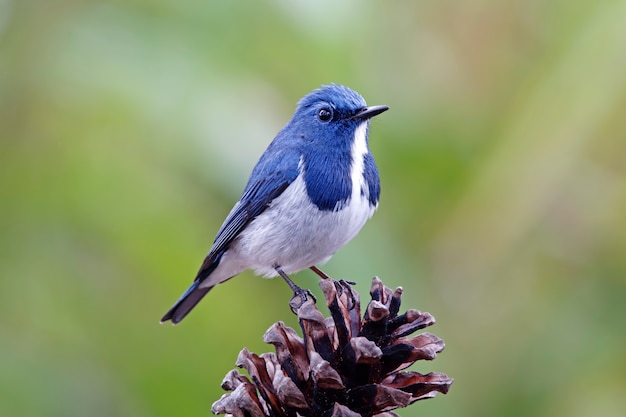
(128, 129)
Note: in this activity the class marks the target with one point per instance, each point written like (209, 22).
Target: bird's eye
(325, 114)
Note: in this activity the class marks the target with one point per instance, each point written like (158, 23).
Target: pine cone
(344, 367)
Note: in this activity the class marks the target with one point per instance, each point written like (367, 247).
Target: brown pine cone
(344, 366)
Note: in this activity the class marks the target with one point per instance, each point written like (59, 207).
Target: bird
(309, 194)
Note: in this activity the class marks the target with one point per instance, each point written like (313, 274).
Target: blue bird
(310, 193)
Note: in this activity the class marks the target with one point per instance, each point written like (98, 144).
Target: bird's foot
(300, 296)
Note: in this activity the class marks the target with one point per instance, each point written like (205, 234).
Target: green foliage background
(128, 129)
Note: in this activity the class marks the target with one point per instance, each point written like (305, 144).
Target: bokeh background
(128, 129)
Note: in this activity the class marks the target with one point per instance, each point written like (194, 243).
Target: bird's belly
(294, 234)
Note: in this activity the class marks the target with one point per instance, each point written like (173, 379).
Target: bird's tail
(194, 293)
(185, 303)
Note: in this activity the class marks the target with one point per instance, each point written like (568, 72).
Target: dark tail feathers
(194, 293)
(186, 303)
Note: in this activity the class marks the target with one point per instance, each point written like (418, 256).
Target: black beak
(369, 112)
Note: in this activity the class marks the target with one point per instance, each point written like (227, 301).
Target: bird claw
(300, 296)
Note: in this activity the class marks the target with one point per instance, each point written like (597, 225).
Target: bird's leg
(323, 275)
(300, 296)
(319, 272)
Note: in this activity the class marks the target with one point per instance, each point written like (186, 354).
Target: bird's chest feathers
(338, 178)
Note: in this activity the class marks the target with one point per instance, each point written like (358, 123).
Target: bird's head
(330, 115)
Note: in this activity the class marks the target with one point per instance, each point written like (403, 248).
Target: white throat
(358, 152)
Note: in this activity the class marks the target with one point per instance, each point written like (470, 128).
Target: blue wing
(270, 177)
(274, 172)
(277, 168)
